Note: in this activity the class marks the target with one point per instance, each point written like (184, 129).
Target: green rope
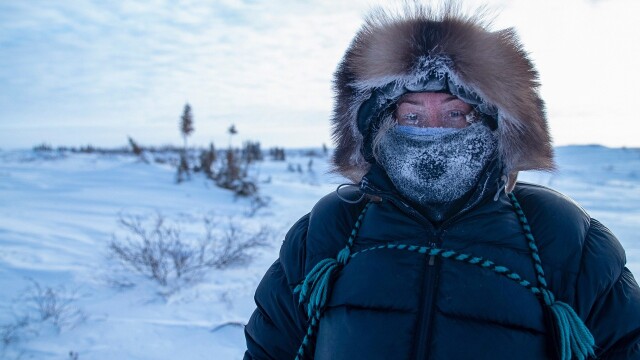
(315, 289)
(537, 263)
(573, 338)
(454, 255)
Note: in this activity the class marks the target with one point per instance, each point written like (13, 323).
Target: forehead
(428, 98)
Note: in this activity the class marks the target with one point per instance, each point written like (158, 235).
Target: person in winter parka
(437, 252)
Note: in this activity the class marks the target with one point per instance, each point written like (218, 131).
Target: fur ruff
(391, 46)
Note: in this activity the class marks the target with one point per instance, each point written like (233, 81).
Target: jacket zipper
(432, 269)
(427, 307)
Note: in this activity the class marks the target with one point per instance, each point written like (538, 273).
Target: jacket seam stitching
(584, 246)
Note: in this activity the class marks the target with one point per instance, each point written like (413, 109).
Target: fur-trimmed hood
(394, 53)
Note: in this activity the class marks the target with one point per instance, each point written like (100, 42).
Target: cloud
(265, 65)
(69, 64)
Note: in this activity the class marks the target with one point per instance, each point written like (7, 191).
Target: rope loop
(341, 197)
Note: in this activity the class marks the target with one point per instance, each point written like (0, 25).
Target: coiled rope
(315, 288)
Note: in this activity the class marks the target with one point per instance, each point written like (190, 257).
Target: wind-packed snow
(58, 214)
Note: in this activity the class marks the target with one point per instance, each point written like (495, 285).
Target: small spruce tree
(186, 124)
(135, 148)
(186, 128)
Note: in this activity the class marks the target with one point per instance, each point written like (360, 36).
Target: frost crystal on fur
(435, 169)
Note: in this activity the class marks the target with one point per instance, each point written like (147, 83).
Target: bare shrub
(39, 306)
(244, 187)
(135, 148)
(147, 251)
(55, 305)
(257, 203)
(234, 244)
(159, 250)
(230, 171)
(207, 160)
(12, 332)
(233, 175)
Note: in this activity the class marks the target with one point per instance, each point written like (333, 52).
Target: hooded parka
(393, 296)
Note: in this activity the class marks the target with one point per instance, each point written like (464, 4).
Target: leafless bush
(159, 250)
(257, 203)
(207, 160)
(233, 173)
(12, 332)
(55, 305)
(233, 245)
(37, 307)
(230, 171)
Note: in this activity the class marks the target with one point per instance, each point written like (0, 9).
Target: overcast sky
(94, 72)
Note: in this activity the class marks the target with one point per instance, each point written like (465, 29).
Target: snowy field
(58, 216)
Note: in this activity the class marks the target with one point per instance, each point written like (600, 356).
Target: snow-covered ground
(57, 217)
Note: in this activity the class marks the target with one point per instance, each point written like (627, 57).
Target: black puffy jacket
(394, 304)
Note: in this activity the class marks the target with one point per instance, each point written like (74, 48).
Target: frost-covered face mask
(435, 165)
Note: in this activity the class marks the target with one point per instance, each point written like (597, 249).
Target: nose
(434, 118)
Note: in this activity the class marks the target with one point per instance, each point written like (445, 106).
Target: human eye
(410, 118)
(454, 118)
(408, 114)
(455, 114)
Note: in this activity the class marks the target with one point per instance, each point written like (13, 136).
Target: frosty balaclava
(434, 166)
